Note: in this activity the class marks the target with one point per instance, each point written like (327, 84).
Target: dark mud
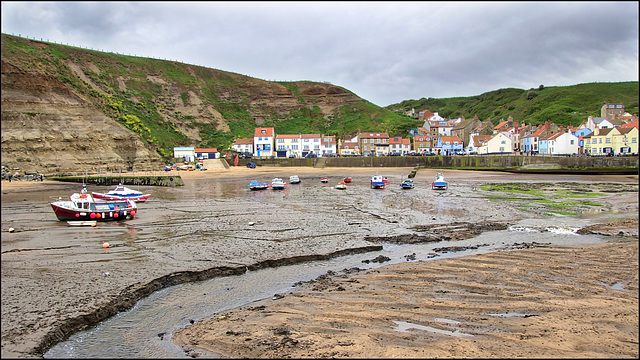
(57, 279)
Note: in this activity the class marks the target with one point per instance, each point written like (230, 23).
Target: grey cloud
(385, 52)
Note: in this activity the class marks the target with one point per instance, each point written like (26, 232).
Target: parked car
(251, 165)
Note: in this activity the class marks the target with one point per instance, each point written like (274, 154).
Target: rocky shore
(53, 281)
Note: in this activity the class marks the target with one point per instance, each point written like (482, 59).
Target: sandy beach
(556, 302)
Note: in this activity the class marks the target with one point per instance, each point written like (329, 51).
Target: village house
(560, 143)
(501, 143)
(186, 153)
(204, 154)
(349, 147)
(465, 128)
(399, 146)
(422, 141)
(373, 144)
(310, 144)
(243, 145)
(594, 123)
(288, 145)
(450, 145)
(263, 140)
(476, 141)
(612, 111)
(328, 146)
(628, 140)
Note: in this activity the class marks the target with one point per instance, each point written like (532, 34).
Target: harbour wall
(511, 163)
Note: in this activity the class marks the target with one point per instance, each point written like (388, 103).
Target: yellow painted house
(613, 141)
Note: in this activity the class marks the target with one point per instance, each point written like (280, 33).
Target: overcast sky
(384, 52)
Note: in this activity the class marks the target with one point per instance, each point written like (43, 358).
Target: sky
(384, 52)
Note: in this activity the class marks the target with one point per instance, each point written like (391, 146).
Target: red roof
(267, 132)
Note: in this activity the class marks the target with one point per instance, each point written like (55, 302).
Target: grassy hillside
(563, 105)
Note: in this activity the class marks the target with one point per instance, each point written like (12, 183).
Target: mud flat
(58, 279)
(578, 302)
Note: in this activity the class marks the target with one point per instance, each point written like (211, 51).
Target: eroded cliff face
(48, 128)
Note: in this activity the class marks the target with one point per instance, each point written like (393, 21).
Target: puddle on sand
(404, 326)
(617, 286)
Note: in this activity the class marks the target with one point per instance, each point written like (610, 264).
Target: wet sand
(57, 279)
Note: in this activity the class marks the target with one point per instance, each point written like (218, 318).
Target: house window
(364, 141)
(634, 140)
(607, 140)
(294, 140)
(600, 140)
(571, 142)
(263, 132)
(281, 147)
(294, 147)
(280, 140)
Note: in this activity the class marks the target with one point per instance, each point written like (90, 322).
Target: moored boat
(324, 180)
(121, 193)
(256, 185)
(82, 207)
(294, 179)
(347, 179)
(278, 184)
(407, 184)
(377, 182)
(341, 186)
(439, 183)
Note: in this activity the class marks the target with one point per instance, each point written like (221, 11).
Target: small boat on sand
(378, 182)
(294, 179)
(278, 184)
(256, 185)
(439, 183)
(341, 186)
(82, 207)
(347, 179)
(324, 180)
(121, 193)
(407, 184)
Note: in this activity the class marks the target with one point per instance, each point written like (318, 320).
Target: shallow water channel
(145, 330)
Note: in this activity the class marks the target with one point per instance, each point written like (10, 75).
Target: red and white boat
(82, 207)
(122, 193)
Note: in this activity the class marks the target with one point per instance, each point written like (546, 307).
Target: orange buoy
(93, 225)
(11, 229)
(105, 245)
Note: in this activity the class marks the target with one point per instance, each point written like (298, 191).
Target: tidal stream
(146, 330)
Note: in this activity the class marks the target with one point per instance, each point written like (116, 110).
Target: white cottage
(563, 144)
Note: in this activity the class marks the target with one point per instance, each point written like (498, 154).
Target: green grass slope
(563, 105)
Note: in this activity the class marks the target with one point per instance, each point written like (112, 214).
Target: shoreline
(112, 291)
